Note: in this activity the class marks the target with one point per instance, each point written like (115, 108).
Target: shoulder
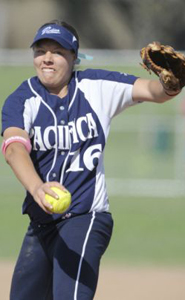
(100, 74)
(21, 93)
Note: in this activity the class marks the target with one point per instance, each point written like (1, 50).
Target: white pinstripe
(55, 125)
(82, 255)
(75, 92)
(66, 159)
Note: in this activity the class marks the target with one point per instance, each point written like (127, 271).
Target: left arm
(150, 90)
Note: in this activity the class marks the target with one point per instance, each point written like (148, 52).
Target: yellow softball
(60, 205)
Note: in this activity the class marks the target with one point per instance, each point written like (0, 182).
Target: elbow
(9, 156)
(14, 152)
(163, 100)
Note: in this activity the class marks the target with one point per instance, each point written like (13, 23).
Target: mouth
(48, 70)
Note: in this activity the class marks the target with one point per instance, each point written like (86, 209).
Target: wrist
(34, 187)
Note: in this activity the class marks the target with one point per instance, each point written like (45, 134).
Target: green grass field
(147, 230)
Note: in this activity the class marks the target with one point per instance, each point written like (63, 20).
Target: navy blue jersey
(68, 135)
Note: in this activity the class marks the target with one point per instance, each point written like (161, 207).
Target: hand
(45, 188)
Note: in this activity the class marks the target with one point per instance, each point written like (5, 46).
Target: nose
(48, 57)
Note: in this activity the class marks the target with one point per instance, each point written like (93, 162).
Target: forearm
(20, 162)
(150, 90)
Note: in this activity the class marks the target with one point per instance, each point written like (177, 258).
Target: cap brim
(62, 42)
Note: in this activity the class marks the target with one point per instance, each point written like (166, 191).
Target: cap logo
(74, 39)
(59, 34)
(50, 30)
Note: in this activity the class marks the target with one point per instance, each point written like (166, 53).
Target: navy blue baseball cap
(59, 34)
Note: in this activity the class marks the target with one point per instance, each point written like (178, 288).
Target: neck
(60, 92)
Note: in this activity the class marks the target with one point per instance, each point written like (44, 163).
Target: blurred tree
(100, 23)
(159, 20)
(126, 23)
(110, 24)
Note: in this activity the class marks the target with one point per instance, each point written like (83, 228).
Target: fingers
(44, 189)
(39, 197)
(55, 184)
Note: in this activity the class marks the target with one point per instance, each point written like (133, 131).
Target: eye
(38, 52)
(59, 52)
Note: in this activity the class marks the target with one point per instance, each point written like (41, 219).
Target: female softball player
(55, 127)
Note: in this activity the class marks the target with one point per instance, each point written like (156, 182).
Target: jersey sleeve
(13, 111)
(110, 92)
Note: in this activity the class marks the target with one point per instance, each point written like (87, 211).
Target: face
(54, 65)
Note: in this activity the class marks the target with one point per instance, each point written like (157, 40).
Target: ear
(77, 61)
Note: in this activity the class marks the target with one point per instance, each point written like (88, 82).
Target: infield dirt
(123, 282)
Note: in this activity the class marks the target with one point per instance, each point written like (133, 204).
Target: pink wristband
(18, 139)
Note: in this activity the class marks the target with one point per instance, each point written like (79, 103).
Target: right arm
(19, 160)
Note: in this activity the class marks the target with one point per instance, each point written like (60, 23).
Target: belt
(62, 218)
